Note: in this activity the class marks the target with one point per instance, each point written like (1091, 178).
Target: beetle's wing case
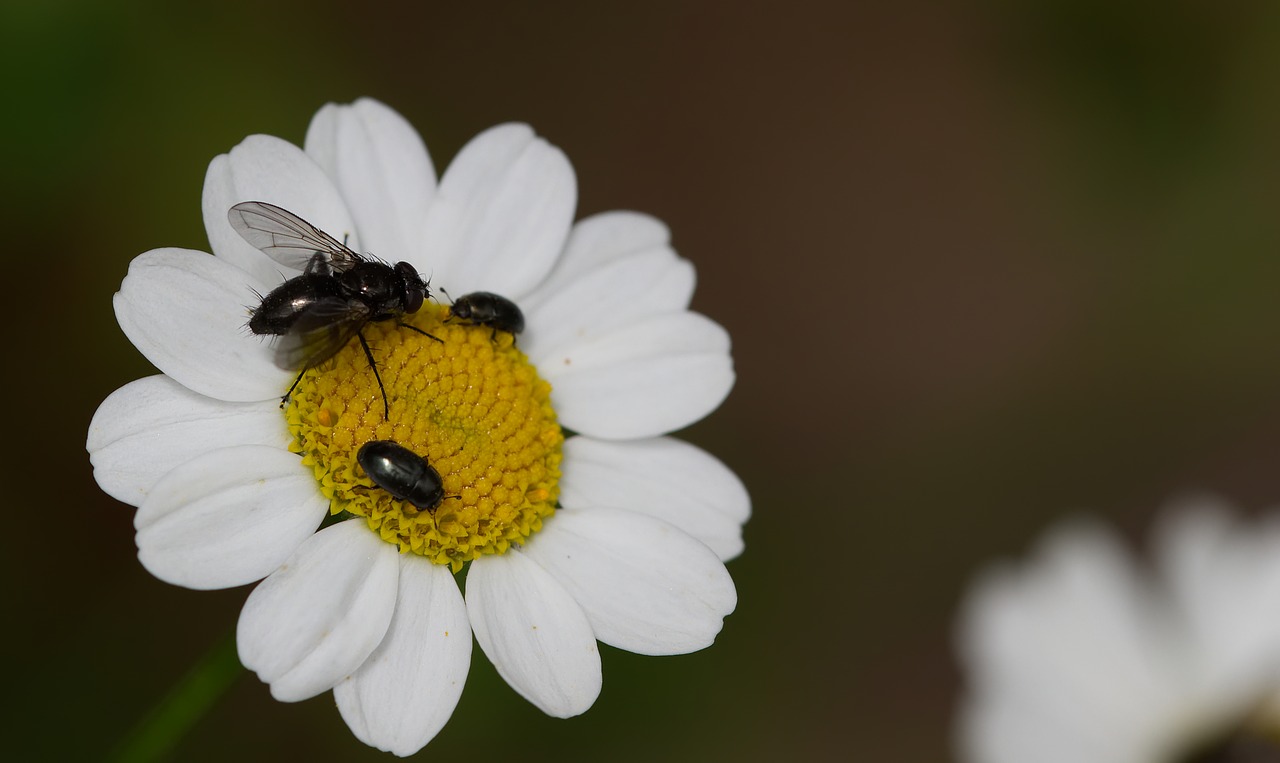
(287, 238)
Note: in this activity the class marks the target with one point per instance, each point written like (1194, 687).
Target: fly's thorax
(377, 284)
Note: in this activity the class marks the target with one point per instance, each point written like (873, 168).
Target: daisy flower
(615, 533)
(1080, 656)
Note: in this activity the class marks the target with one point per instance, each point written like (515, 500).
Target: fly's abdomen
(281, 308)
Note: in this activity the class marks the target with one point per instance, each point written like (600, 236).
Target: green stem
(157, 734)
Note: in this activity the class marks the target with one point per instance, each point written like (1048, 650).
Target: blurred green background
(984, 264)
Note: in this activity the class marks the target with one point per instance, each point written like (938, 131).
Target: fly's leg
(386, 407)
(285, 400)
(420, 331)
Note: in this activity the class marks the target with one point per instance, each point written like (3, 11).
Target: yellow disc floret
(471, 405)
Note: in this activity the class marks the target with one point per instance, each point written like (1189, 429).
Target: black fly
(484, 308)
(402, 473)
(338, 292)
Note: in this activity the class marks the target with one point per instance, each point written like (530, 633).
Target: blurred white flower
(1079, 657)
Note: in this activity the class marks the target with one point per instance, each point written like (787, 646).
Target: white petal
(646, 586)
(151, 425)
(186, 312)
(317, 619)
(664, 478)
(646, 379)
(1080, 621)
(382, 169)
(501, 214)
(266, 168)
(1000, 729)
(405, 692)
(534, 633)
(227, 517)
(623, 291)
(1224, 578)
(602, 238)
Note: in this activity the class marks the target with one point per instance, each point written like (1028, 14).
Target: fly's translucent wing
(320, 332)
(287, 238)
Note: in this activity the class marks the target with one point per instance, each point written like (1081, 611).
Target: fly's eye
(412, 299)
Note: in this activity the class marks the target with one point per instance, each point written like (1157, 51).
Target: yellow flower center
(471, 405)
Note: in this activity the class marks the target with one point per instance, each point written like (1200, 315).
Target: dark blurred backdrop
(984, 265)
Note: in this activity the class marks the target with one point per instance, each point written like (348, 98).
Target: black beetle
(402, 473)
(484, 308)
